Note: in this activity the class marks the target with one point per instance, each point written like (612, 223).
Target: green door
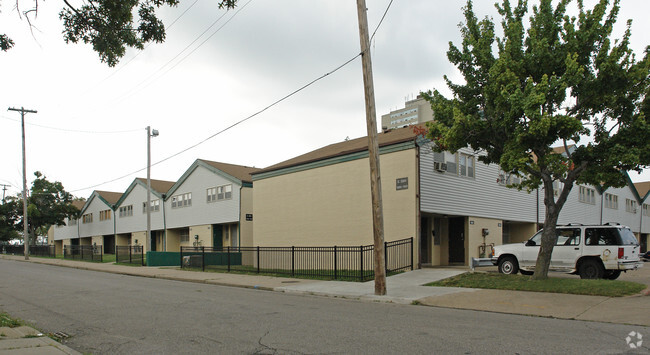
(217, 236)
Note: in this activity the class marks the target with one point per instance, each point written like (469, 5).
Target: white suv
(592, 251)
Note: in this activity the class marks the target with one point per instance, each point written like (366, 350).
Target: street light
(150, 133)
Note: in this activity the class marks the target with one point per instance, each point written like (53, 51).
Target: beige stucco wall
(85, 241)
(520, 232)
(122, 239)
(205, 236)
(475, 235)
(173, 240)
(141, 238)
(331, 205)
(246, 227)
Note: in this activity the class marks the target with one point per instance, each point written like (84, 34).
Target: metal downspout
(164, 223)
(239, 216)
(418, 220)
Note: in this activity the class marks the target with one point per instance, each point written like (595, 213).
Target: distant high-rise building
(414, 112)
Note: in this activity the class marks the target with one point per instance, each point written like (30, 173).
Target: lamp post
(150, 133)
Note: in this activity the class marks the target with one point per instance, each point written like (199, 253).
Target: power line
(151, 78)
(249, 117)
(75, 130)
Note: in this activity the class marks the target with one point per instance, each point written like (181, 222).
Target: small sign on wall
(249, 216)
(402, 183)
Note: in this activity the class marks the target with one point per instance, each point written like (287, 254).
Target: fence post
(181, 257)
(202, 258)
(361, 265)
(386, 258)
(228, 251)
(412, 254)
(258, 259)
(292, 260)
(335, 269)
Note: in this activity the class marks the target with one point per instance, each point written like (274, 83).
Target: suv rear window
(627, 237)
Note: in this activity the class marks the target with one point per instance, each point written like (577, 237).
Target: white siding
(97, 227)
(481, 196)
(202, 212)
(138, 222)
(66, 232)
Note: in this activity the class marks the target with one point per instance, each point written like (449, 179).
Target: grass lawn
(609, 288)
(7, 321)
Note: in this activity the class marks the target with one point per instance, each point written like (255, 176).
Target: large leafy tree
(111, 25)
(48, 204)
(8, 219)
(551, 79)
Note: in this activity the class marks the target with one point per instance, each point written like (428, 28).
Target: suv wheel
(591, 269)
(508, 265)
(612, 274)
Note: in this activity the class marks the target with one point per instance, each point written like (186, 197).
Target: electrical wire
(72, 130)
(247, 118)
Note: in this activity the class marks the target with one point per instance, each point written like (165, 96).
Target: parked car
(591, 251)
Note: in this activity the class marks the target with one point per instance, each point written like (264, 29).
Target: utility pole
(373, 152)
(4, 190)
(23, 111)
(150, 134)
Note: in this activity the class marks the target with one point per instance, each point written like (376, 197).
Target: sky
(214, 70)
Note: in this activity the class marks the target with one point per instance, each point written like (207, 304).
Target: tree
(561, 80)
(48, 204)
(109, 25)
(8, 219)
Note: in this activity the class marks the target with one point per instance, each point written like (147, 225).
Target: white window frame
(587, 195)
(182, 200)
(466, 165)
(611, 201)
(630, 205)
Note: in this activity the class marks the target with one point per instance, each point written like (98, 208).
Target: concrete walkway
(405, 288)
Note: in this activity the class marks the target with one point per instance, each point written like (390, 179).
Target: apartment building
(415, 111)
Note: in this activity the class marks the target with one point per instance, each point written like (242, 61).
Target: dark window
(601, 236)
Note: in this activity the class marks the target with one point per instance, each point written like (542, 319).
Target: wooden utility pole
(25, 222)
(373, 152)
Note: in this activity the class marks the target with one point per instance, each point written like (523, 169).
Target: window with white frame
(155, 206)
(126, 211)
(557, 188)
(72, 222)
(466, 165)
(219, 193)
(630, 205)
(87, 218)
(182, 200)
(185, 235)
(445, 161)
(104, 215)
(587, 195)
(507, 178)
(646, 210)
(611, 201)
(211, 194)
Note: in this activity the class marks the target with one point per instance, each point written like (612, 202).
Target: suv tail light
(621, 252)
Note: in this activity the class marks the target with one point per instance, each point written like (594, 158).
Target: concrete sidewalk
(407, 288)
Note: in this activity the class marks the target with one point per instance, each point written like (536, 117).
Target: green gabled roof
(347, 150)
(108, 197)
(158, 188)
(238, 174)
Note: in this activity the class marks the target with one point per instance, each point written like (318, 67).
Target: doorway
(457, 240)
(217, 236)
(425, 241)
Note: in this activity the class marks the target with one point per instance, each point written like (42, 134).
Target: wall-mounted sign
(402, 183)
(249, 216)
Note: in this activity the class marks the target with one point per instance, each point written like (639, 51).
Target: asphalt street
(106, 313)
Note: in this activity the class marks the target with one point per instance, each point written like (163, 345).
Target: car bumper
(630, 265)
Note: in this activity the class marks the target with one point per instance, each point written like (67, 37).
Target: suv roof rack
(612, 224)
(574, 224)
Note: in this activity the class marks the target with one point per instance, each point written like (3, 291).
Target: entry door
(425, 239)
(457, 240)
(217, 236)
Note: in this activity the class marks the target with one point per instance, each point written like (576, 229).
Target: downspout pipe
(163, 196)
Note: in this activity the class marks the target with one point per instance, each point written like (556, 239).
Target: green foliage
(550, 79)
(48, 204)
(9, 219)
(109, 25)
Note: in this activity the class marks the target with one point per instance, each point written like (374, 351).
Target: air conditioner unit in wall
(438, 166)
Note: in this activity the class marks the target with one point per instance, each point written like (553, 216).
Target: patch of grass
(325, 275)
(8, 321)
(608, 288)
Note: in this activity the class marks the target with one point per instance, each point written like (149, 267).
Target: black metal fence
(35, 250)
(83, 252)
(353, 263)
(129, 254)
